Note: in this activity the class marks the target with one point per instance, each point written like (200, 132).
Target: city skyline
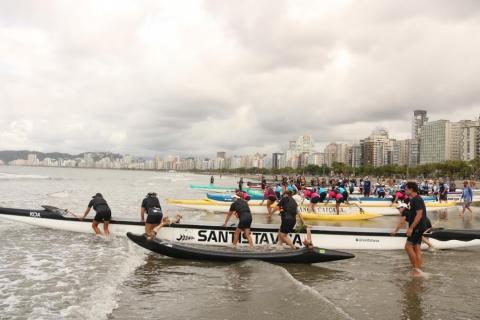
(142, 78)
(430, 142)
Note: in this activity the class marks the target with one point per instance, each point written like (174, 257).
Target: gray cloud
(164, 77)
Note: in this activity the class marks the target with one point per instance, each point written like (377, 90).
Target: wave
(59, 194)
(14, 176)
(104, 299)
(74, 276)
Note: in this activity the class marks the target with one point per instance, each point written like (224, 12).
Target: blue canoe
(227, 197)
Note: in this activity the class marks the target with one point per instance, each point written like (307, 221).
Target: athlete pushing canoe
(288, 208)
(241, 209)
(151, 207)
(103, 214)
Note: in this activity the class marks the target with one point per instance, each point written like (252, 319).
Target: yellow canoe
(366, 204)
(341, 217)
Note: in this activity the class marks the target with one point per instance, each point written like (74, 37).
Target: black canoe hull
(452, 234)
(174, 250)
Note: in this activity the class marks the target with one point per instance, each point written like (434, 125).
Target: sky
(196, 77)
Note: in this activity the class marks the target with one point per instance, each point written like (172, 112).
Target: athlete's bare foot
(416, 273)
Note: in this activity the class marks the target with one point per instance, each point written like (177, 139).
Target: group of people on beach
(316, 195)
(408, 199)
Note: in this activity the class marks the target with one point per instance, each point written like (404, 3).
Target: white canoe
(338, 238)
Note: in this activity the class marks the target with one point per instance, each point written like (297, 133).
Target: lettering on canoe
(184, 237)
(226, 237)
(35, 214)
(321, 209)
(366, 240)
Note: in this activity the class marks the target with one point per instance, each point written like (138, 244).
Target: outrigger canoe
(228, 197)
(341, 217)
(222, 189)
(322, 213)
(212, 188)
(227, 254)
(335, 238)
(321, 208)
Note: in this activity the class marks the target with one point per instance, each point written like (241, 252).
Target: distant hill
(10, 155)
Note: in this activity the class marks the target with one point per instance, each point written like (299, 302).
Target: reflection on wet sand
(413, 290)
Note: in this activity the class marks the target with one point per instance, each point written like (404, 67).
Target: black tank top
(98, 204)
(151, 202)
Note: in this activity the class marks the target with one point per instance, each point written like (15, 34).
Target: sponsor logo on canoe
(184, 237)
(320, 209)
(366, 240)
(259, 238)
(35, 214)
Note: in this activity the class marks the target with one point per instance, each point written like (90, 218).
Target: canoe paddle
(73, 214)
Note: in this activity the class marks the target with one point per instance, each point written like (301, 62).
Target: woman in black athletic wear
(241, 209)
(103, 214)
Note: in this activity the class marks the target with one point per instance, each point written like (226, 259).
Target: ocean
(48, 274)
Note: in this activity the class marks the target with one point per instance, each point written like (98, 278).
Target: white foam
(59, 194)
(107, 290)
(13, 176)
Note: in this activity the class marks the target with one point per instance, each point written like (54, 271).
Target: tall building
(222, 155)
(278, 160)
(413, 152)
(377, 148)
(419, 120)
(470, 140)
(400, 153)
(304, 144)
(456, 131)
(337, 152)
(330, 154)
(435, 142)
(355, 155)
(316, 158)
(477, 155)
(292, 145)
(298, 152)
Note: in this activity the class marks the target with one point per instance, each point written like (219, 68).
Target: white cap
(402, 205)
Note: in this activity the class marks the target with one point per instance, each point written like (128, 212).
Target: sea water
(48, 274)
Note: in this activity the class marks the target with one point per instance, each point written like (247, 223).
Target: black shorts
(416, 238)
(345, 195)
(381, 194)
(104, 215)
(443, 196)
(315, 200)
(342, 200)
(245, 223)
(154, 218)
(287, 225)
(278, 194)
(272, 198)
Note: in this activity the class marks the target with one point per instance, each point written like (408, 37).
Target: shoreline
(257, 177)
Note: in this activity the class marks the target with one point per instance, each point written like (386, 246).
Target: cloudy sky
(195, 77)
